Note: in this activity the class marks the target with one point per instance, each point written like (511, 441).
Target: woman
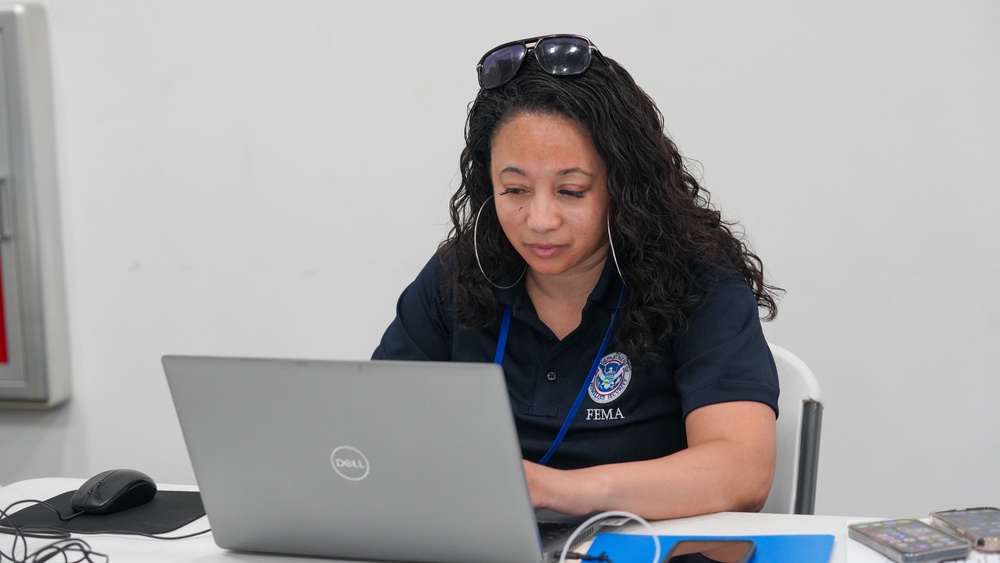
(588, 262)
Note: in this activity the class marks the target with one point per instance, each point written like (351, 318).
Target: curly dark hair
(670, 242)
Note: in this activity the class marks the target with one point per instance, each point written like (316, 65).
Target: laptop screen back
(409, 461)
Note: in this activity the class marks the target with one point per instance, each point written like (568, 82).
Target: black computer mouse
(112, 491)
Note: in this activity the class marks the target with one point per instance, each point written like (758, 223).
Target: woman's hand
(557, 489)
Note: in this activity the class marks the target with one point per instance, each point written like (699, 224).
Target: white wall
(263, 178)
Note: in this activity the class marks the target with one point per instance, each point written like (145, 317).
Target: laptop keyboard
(553, 536)
(552, 532)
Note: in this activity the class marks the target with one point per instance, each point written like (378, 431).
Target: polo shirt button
(551, 376)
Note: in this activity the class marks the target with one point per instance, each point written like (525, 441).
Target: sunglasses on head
(558, 55)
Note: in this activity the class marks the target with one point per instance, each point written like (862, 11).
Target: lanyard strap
(508, 311)
(498, 359)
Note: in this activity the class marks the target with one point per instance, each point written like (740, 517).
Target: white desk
(203, 548)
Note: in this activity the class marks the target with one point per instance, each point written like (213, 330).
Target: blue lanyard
(498, 360)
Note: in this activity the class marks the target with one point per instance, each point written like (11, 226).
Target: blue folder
(627, 548)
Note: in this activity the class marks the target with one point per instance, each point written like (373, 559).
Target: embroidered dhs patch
(613, 374)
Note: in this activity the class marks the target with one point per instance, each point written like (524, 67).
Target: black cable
(75, 547)
(31, 531)
(64, 546)
(584, 557)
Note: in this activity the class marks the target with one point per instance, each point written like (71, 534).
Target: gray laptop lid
(407, 461)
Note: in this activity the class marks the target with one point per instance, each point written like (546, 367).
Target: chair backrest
(800, 414)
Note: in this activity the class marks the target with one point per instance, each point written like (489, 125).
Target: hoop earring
(614, 257)
(475, 249)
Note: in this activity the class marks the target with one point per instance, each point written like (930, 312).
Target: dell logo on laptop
(349, 463)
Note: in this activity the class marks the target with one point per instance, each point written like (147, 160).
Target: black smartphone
(981, 526)
(908, 540)
(710, 551)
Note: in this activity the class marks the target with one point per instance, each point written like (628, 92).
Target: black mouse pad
(167, 511)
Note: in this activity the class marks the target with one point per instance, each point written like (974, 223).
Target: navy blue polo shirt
(635, 409)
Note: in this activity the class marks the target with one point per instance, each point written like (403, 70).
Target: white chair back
(798, 431)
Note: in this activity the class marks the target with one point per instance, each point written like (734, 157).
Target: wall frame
(34, 344)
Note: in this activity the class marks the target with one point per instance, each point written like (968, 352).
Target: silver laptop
(393, 461)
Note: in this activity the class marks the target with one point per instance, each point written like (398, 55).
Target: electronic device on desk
(909, 541)
(981, 526)
(113, 491)
(780, 548)
(714, 551)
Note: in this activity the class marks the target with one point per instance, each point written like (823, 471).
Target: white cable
(612, 514)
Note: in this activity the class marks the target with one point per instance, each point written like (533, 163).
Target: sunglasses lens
(563, 55)
(500, 66)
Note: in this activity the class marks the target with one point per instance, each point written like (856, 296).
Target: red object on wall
(3, 324)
